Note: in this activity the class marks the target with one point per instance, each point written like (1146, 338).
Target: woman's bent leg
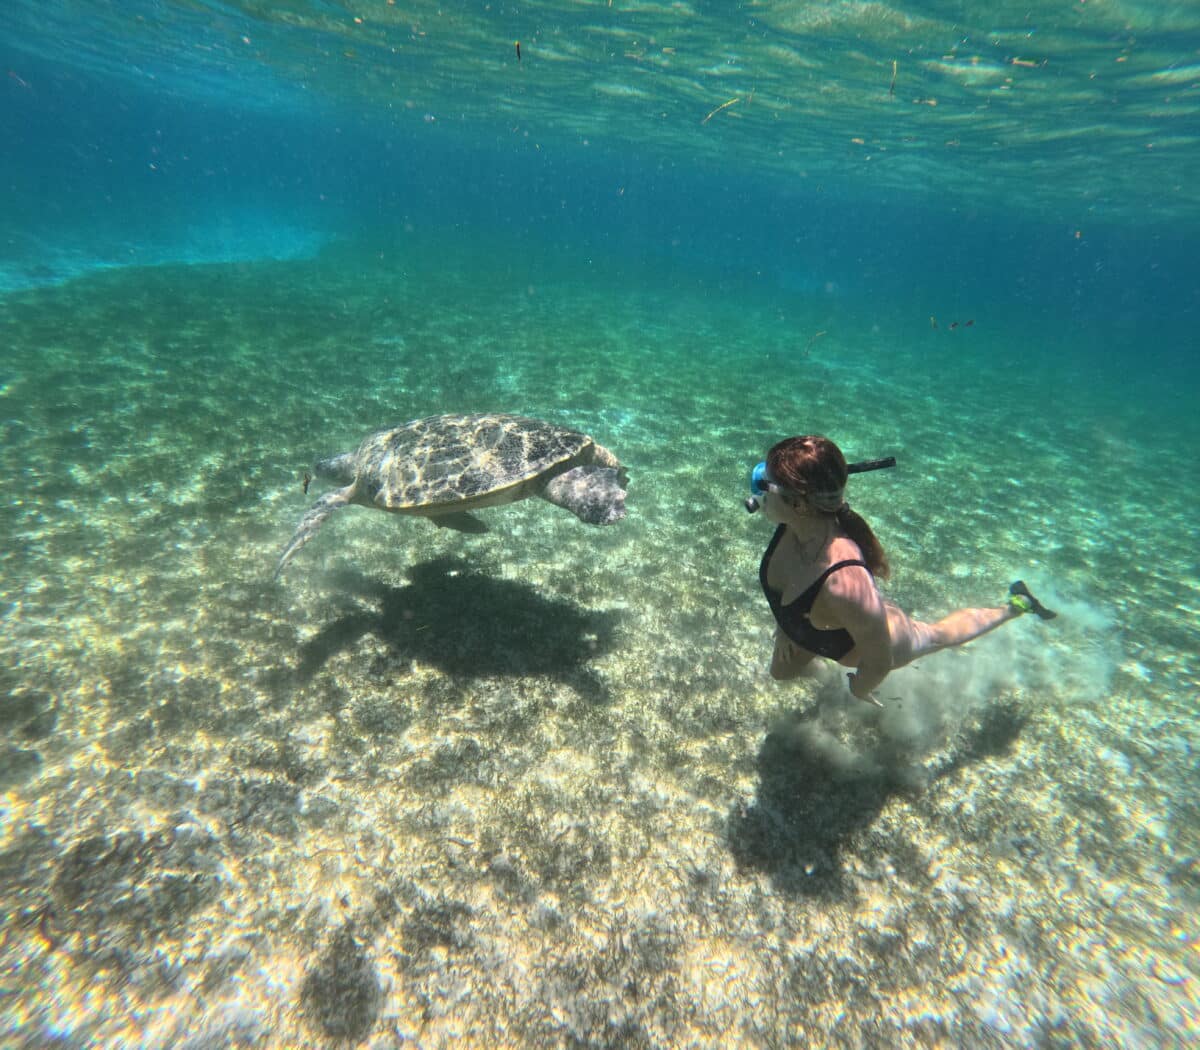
(788, 660)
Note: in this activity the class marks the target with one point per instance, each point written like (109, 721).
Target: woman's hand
(855, 685)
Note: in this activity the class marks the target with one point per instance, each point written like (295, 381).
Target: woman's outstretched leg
(913, 638)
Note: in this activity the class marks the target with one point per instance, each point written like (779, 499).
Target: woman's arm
(874, 661)
(853, 601)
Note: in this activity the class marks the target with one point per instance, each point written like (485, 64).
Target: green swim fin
(1020, 597)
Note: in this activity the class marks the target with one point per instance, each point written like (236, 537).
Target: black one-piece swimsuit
(793, 618)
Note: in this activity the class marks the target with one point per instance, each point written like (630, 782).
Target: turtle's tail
(313, 519)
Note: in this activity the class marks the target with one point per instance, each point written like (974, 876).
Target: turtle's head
(337, 468)
(603, 458)
(593, 494)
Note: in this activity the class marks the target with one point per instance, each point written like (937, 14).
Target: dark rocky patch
(341, 993)
(18, 766)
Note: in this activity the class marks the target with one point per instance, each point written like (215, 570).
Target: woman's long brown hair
(813, 463)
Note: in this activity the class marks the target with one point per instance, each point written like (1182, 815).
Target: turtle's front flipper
(313, 520)
(592, 494)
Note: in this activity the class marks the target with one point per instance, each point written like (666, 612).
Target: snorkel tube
(759, 483)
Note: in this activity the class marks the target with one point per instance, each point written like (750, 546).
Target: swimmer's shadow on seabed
(469, 625)
(814, 799)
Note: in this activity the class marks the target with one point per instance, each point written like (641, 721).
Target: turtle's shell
(456, 462)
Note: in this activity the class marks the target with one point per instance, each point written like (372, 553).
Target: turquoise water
(535, 787)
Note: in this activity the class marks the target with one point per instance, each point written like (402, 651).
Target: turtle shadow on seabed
(470, 625)
(816, 794)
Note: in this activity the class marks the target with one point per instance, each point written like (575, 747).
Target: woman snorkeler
(819, 572)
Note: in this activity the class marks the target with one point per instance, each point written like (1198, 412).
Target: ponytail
(855, 526)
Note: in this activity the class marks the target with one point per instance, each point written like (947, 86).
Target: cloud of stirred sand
(925, 704)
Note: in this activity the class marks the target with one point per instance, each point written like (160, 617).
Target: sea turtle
(442, 467)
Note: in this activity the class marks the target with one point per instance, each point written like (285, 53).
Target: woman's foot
(1020, 597)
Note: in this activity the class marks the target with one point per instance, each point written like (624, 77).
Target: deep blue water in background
(99, 159)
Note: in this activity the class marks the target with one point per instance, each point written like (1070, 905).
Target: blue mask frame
(757, 476)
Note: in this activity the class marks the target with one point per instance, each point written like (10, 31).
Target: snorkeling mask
(760, 483)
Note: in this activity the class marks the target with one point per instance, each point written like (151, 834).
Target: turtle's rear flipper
(462, 521)
(592, 494)
(313, 520)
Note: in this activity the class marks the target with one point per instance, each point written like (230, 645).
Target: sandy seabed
(535, 787)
